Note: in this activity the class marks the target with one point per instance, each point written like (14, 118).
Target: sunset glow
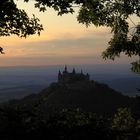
(63, 41)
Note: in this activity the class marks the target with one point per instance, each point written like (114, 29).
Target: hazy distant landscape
(17, 82)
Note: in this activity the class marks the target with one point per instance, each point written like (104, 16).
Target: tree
(16, 21)
(125, 125)
(110, 13)
(136, 67)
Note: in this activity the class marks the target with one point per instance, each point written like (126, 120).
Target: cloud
(68, 48)
(87, 41)
(61, 60)
(48, 60)
(90, 43)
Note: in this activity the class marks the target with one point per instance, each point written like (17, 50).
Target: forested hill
(89, 96)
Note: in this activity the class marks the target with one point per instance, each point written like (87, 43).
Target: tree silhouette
(136, 67)
(1, 50)
(16, 21)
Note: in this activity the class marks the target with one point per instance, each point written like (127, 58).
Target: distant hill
(38, 115)
(17, 82)
(127, 85)
(87, 95)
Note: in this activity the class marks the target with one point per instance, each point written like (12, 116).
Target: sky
(63, 41)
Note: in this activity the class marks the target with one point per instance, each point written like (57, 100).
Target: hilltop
(17, 82)
(76, 90)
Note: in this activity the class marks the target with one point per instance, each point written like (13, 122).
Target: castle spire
(70, 77)
(59, 76)
(87, 75)
(65, 68)
(59, 72)
(73, 71)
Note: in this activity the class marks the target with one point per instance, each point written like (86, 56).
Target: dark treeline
(23, 124)
(31, 118)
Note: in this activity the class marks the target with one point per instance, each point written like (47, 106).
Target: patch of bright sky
(63, 41)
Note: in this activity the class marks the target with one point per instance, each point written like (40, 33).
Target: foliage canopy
(16, 21)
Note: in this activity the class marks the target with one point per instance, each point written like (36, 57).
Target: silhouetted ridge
(75, 90)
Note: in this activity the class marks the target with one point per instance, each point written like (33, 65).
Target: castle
(70, 77)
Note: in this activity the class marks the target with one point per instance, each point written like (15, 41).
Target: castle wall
(67, 77)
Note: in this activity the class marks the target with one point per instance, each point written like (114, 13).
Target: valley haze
(19, 81)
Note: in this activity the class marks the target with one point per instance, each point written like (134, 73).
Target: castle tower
(59, 76)
(87, 76)
(70, 77)
(73, 71)
(65, 69)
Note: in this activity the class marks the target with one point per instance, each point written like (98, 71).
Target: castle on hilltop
(70, 77)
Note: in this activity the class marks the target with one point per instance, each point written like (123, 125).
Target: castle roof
(67, 77)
